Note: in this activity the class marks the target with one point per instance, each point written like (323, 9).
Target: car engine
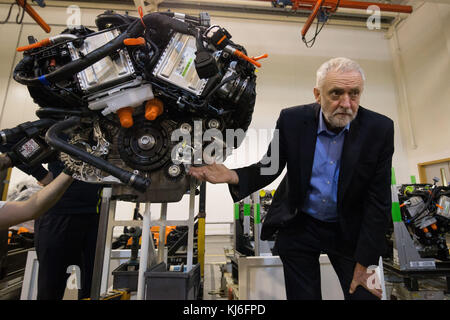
(130, 104)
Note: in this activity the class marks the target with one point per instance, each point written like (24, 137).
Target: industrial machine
(425, 212)
(247, 225)
(130, 104)
(418, 253)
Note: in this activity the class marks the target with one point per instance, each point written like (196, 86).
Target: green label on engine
(396, 215)
(236, 211)
(247, 209)
(393, 181)
(258, 213)
(187, 67)
(413, 179)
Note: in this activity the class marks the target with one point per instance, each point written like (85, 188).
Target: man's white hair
(339, 65)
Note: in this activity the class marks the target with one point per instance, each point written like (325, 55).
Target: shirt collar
(323, 127)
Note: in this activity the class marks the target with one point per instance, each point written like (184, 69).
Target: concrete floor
(214, 257)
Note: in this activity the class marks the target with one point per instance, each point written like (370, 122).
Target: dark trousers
(62, 241)
(299, 247)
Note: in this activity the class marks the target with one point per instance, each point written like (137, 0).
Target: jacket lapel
(350, 155)
(307, 147)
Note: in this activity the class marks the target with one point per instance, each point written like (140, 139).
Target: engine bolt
(213, 124)
(146, 142)
(174, 170)
(186, 128)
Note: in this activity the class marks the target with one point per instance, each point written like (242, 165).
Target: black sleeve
(253, 177)
(377, 207)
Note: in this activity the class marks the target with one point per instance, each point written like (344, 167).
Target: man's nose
(345, 101)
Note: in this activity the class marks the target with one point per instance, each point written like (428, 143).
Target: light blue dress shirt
(321, 198)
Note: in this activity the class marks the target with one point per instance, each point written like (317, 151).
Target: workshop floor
(214, 257)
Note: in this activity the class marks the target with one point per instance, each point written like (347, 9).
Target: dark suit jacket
(364, 193)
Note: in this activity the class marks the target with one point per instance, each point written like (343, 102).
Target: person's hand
(361, 278)
(46, 180)
(214, 173)
(5, 161)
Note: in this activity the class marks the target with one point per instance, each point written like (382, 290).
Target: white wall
(424, 43)
(286, 78)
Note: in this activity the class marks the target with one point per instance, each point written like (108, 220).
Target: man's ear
(317, 95)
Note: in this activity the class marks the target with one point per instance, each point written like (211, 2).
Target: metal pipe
(100, 245)
(312, 17)
(144, 259)
(53, 139)
(190, 242)
(361, 5)
(33, 14)
(400, 79)
(162, 233)
(201, 228)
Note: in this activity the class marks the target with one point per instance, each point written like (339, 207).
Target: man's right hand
(214, 173)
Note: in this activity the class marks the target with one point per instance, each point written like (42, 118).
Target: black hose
(24, 129)
(53, 139)
(159, 20)
(61, 112)
(67, 71)
(22, 68)
(106, 18)
(186, 17)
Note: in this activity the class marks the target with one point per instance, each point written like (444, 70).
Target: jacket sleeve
(262, 173)
(377, 207)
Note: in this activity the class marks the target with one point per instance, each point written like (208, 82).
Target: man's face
(339, 97)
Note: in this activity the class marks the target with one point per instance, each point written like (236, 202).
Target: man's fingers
(200, 173)
(195, 172)
(353, 286)
(376, 292)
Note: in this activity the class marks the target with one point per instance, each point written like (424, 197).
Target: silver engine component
(105, 72)
(176, 64)
(444, 207)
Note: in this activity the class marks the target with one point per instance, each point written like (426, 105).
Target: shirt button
(328, 182)
(334, 141)
(323, 200)
(331, 162)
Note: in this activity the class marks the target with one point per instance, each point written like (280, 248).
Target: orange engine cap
(126, 117)
(153, 109)
(134, 41)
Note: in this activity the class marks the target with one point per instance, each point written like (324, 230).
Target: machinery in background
(419, 252)
(249, 215)
(174, 246)
(425, 211)
(13, 257)
(249, 251)
(15, 242)
(323, 9)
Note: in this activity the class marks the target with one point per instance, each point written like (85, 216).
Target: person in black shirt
(66, 235)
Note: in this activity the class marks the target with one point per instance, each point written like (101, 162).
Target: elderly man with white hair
(335, 198)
